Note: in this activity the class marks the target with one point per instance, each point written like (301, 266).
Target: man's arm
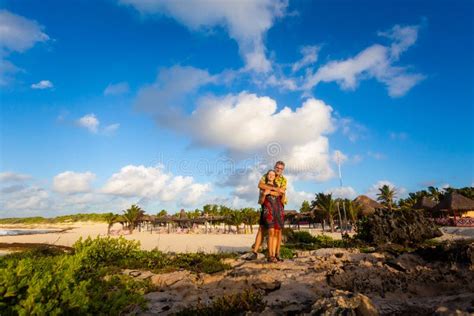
(273, 190)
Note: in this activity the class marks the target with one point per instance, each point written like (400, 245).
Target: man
(281, 182)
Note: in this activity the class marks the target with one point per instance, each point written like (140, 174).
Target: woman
(272, 216)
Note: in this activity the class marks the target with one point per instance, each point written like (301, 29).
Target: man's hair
(280, 163)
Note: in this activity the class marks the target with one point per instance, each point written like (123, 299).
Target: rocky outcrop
(325, 282)
(398, 227)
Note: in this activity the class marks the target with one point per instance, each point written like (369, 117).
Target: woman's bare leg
(271, 243)
(278, 242)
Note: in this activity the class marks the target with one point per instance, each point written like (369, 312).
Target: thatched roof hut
(368, 206)
(424, 203)
(455, 202)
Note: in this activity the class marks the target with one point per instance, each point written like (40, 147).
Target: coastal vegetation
(88, 279)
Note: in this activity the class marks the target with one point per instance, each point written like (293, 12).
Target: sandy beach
(174, 242)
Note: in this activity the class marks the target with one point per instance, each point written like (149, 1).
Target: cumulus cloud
(342, 192)
(154, 183)
(92, 124)
(246, 124)
(89, 122)
(245, 191)
(310, 56)
(245, 21)
(73, 182)
(32, 198)
(116, 89)
(376, 61)
(43, 84)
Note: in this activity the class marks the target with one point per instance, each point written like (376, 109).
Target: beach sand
(174, 242)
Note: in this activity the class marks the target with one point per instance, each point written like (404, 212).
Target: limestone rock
(344, 303)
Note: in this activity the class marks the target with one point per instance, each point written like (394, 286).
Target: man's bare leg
(258, 240)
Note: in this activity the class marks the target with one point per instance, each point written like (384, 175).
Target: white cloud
(43, 84)
(310, 56)
(111, 129)
(13, 177)
(18, 34)
(338, 156)
(32, 198)
(89, 122)
(376, 61)
(246, 124)
(342, 192)
(402, 36)
(374, 189)
(246, 21)
(93, 125)
(245, 188)
(7, 71)
(73, 182)
(351, 129)
(154, 183)
(168, 92)
(117, 89)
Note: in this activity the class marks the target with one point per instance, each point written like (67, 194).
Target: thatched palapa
(368, 206)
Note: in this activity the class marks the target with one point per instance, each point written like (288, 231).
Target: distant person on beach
(272, 198)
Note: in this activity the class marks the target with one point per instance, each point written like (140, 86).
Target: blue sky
(177, 104)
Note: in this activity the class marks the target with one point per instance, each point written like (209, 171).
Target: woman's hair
(266, 175)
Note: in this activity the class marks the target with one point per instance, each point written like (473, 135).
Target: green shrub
(88, 280)
(237, 304)
(303, 240)
(286, 253)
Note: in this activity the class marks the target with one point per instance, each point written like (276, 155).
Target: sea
(16, 232)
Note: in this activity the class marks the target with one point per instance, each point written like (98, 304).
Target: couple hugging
(272, 198)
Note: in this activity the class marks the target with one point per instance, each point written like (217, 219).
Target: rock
(266, 283)
(178, 278)
(141, 275)
(344, 303)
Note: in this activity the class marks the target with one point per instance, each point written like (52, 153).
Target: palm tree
(111, 219)
(236, 218)
(326, 206)
(162, 213)
(435, 194)
(250, 217)
(353, 209)
(132, 216)
(386, 196)
(305, 207)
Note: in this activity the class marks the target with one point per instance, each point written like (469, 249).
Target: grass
(90, 217)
